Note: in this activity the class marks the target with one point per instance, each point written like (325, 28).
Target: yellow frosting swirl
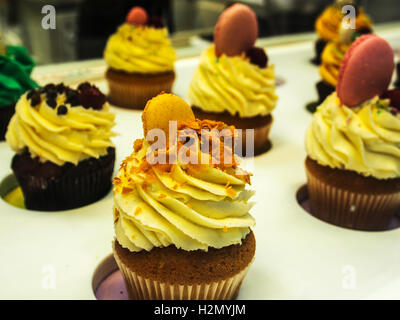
(190, 208)
(331, 60)
(327, 24)
(137, 49)
(365, 139)
(78, 135)
(232, 84)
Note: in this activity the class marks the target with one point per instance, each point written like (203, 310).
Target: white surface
(298, 256)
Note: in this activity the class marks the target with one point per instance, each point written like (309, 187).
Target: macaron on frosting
(234, 76)
(140, 45)
(236, 30)
(191, 206)
(137, 16)
(366, 70)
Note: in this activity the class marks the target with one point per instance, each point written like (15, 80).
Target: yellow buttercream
(365, 139)
(331, 60)
(190, 209)
(78, 135)
(327, 24)
(232, 84)
(138, 49)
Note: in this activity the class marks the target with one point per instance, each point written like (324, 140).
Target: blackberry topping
(257, 56)
(35, 98)
(155, 22)
(90, 96)
(61, 110)
(51, 95)
(84, 86)
(51, 102)
(30, 94)
(394, 97)
(49, 87)
(60, 88)
(72, 97)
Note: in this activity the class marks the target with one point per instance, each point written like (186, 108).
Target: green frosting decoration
(15, 69)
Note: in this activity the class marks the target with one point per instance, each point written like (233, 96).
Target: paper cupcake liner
(135, 94)
(6, 114)
(71, 189)
(140, 288)
(351, 209)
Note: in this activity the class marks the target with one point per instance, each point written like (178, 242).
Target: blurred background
(83, 26)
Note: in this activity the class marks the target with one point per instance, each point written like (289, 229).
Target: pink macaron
(236, 30)
(137, 16)
(366, 70)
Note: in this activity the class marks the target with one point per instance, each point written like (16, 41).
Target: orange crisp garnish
(162, 195)
(230, 191)
(138, 210)
(126, 190)
(137, 145)
(225, 229)
(117, 181)
(189, 205)
(116, 215)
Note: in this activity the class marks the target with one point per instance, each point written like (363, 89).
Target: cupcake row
(183, 229)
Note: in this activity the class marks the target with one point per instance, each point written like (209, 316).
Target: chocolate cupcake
(65, 158)
(182, 227)
(234, 82)
(140, 60)
(15, 69)
(353, 154)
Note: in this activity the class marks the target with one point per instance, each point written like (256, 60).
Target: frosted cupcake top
(191, 206)
(364, 139)
(232, 84)
(60, 124)
(234, 76)
(141, 45)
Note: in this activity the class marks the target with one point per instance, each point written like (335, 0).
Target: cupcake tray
(65, 255)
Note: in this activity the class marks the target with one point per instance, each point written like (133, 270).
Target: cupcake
(15, 69)
(332, 57)
(64, 156)
(182, 227)
(234, 82)
(328, 23)
(353, 153)
(140, 60)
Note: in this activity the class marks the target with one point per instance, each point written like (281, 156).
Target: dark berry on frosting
(156, 22)
(84, 86)
(50, 87)
(60, 88)
(72, 97)
(51, 95)
(394, 97)
(90, 96)
(51, 102)
(257, 56)
(30, 94)
(41, 90)
(61, 110)
(35, 98)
